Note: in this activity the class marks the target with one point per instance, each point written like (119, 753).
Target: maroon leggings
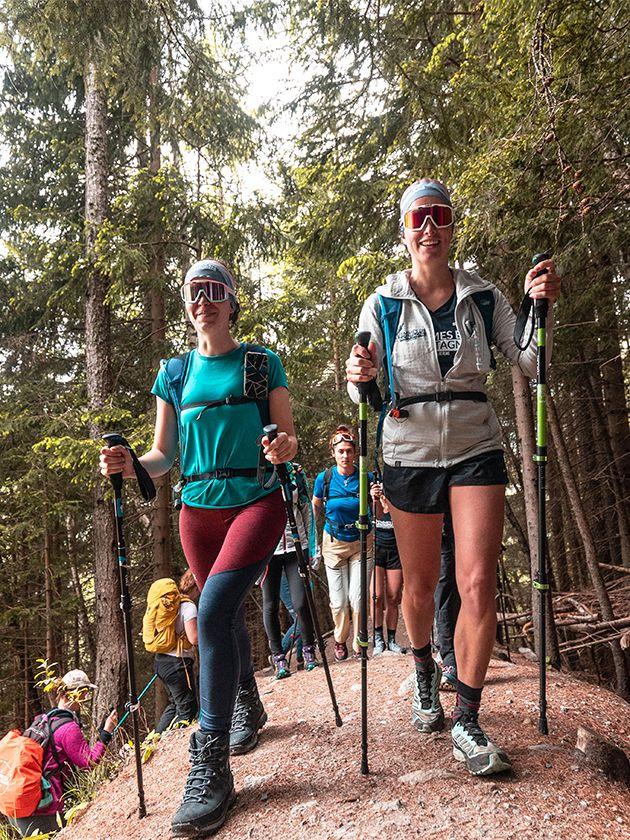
(227, 550)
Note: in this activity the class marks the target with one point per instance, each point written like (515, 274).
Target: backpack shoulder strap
(389, 316)
(484, 301)
(327, 480)
(175, 370)
(256, 379)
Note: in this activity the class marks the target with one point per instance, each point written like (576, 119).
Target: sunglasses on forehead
(441, 215)
(342, 437)
(212, 290)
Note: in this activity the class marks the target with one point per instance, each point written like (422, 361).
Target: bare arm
(159, 459)
(190, 627)
(284, 447)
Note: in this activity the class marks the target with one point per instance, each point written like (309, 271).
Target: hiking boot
(427, 713)
(299, 664)
(449, 678)
(248, 717)
(379, 644)
(310, 661)
(341, 651)
(209, 791)
(393, 645)
(280, 666)
(470, 744)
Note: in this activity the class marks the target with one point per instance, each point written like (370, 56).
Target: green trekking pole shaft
(363, 339)
(541, 309)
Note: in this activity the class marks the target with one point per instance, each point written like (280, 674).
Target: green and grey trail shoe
(379, 644)
(427, 713)
(471, 745)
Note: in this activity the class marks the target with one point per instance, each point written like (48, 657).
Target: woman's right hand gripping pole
(361, 366)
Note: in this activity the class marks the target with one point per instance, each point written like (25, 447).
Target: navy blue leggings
(227, 550)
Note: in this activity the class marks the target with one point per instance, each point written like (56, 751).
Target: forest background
(130, 146)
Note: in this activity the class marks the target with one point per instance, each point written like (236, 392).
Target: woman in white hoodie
(442, 445)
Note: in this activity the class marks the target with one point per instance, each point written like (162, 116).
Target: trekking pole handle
(145, 482)
(541, 305)
(271, 431)
(363, 340)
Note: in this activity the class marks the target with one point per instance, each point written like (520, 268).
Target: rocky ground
(304, 778)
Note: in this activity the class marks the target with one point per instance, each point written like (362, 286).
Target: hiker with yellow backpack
(169, 630)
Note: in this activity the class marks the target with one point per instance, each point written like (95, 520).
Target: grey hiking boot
(248, 717)
(209, 791)
(427, 713)
(471, 744)
(393, 645)
(379, 644)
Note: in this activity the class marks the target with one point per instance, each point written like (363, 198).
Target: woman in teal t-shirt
(230, 521)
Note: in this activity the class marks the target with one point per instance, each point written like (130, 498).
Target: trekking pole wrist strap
(145, 482)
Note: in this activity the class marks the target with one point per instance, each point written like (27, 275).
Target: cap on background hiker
(76, 679)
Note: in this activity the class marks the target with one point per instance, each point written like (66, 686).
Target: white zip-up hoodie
(442, 434)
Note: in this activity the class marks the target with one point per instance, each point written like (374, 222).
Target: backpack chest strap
(398, 410)
(229, 400)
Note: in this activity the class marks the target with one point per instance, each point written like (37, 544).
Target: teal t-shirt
(224, 436)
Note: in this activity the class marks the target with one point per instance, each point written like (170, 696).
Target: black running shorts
(387, 557)
(425, 489)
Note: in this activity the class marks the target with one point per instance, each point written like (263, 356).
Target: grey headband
(427, 186)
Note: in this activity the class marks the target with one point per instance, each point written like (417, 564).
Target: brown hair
(188, 586)
(342, 430)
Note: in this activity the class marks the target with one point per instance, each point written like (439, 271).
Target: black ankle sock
(391, 635)
(379, 631)
(422, 658)
(468, 700)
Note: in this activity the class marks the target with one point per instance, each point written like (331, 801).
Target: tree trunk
(525, 430)
(161, 520)
(617, 484)
(619, 655)
(616, 409)
(51, 652)
(85, 628)
(110, 649)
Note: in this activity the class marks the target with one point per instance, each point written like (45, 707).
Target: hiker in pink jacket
(67, 751)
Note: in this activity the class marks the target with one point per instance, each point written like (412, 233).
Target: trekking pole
(140, 696)
(363, 339)
(541, 308)
(147, 489)
(287, 492)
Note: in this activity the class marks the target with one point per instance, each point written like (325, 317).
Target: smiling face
(209, 317)
(429, 246)
(344, 455)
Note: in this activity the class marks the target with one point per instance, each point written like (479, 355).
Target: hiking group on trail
(437, 510)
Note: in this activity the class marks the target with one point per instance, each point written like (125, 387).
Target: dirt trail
(303, 780)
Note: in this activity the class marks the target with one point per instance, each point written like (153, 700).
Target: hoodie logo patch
(411, 335)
